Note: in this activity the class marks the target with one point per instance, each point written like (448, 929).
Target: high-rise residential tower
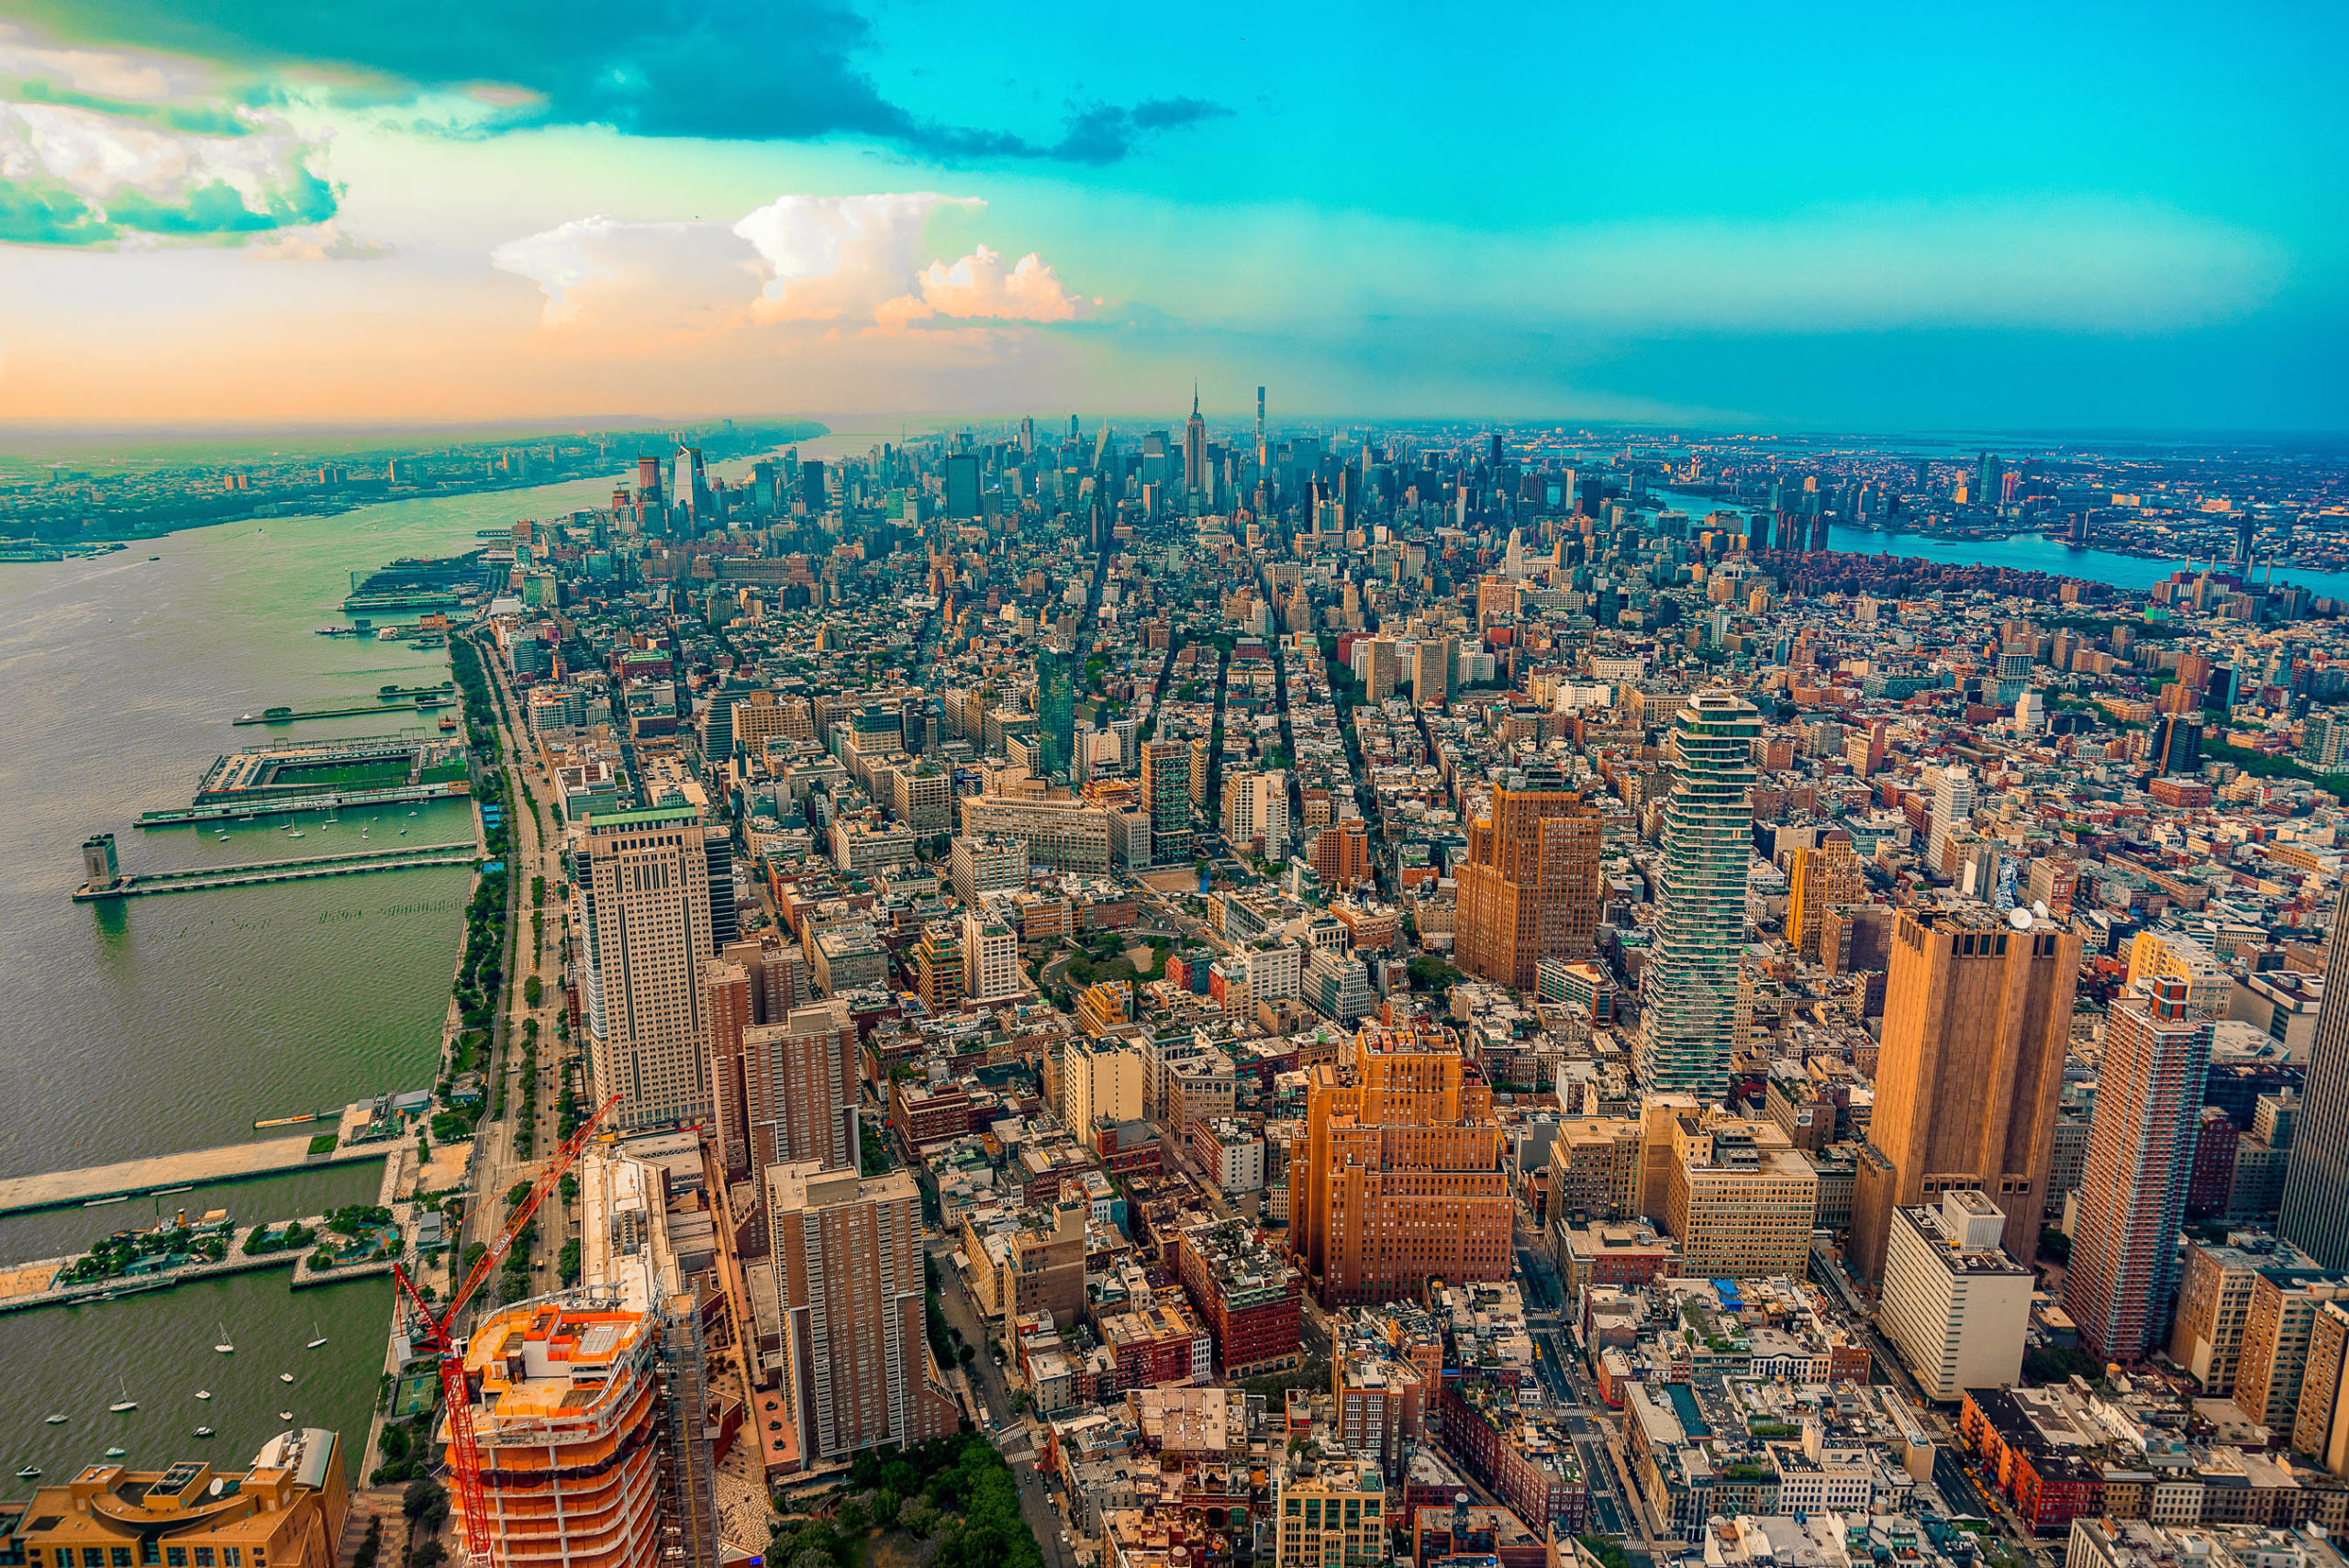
(2123, 1268)
(1432, 664)
(1399, 1179)
(1953, 808)
(1167, 793)
(799, 1081)
(642, 903)
(1529, 889)
(1977, 1016)
(848, 1273)
(2315, 1216)
(1690, 980)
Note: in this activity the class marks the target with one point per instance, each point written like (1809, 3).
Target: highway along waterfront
(154, 1026)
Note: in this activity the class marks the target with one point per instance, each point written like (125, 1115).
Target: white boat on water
(321, 1339)
(124, 1404)
(227, 1346)
(203, 1431)
(204, 1394)
(56, 1420)
(285, 1415)
(284, 1377)
(29, 1473)
(116, 1453)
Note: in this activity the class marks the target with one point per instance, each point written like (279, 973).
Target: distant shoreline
(333, 502)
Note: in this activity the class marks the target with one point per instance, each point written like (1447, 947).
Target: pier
(332, 800)
(141, 885)
(137, 1178)
(294, 715)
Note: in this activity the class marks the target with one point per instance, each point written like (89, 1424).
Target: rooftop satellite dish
(2018, 919)
(2039, 907)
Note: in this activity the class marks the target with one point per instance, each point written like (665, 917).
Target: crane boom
(440, 1337)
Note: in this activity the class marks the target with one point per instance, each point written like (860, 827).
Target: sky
(1810, 217)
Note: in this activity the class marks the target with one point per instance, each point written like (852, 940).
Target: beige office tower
(1432, 662)
(848, 1265)
(1821, 879)
(799, 1080)
(1530, 887)
(1977, 1013)
(644, 913)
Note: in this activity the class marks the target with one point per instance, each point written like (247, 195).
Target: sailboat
(123, 1403)
(227, 1346)
(321, 1335)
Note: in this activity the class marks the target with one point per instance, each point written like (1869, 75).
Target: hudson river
(168, 1023)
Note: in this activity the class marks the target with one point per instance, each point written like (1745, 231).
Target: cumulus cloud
(74, 175)
(800, 266)
(102, 147)
(979, 287)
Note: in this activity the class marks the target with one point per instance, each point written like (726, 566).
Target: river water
(2024, 552)
(161, 1024)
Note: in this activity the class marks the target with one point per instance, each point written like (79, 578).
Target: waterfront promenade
(164, 1172)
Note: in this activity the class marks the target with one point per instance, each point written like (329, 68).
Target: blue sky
(2087, 216)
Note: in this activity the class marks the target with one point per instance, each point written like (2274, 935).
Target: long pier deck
(141, 885)
(283, 806)
(131, 1178)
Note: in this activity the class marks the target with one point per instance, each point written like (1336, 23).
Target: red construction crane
(438, 1336)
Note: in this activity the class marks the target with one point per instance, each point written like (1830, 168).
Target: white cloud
(647, 280)
(802, 266)
(131, 77)
(98, 156)
(979, 287)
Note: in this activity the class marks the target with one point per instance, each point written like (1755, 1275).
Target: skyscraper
(1056, 707)
(1166, 792)
(1953, 808)
(2141, 1152)
(1399, 1181)
(1196, 481)
(799, 1087)
(1977, 1016)
(2315, 1217)
(1432, 662)
(642, 903)
(2177, 745)
(1264, 459)
(1529, 889)
(848, 1273)
(1690, 982)
(1821, 879)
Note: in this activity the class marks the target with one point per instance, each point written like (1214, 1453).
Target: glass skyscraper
(1056, 708)
(1690, 983)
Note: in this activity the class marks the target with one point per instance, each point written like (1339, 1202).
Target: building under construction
(593, 1429)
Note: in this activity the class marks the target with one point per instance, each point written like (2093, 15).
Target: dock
(294, 715)
(286, 805)
(137, 1178)
(142, 885)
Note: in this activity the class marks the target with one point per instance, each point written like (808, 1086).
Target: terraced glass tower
(1690, 983)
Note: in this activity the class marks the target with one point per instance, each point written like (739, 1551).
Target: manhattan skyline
(1818, 220)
